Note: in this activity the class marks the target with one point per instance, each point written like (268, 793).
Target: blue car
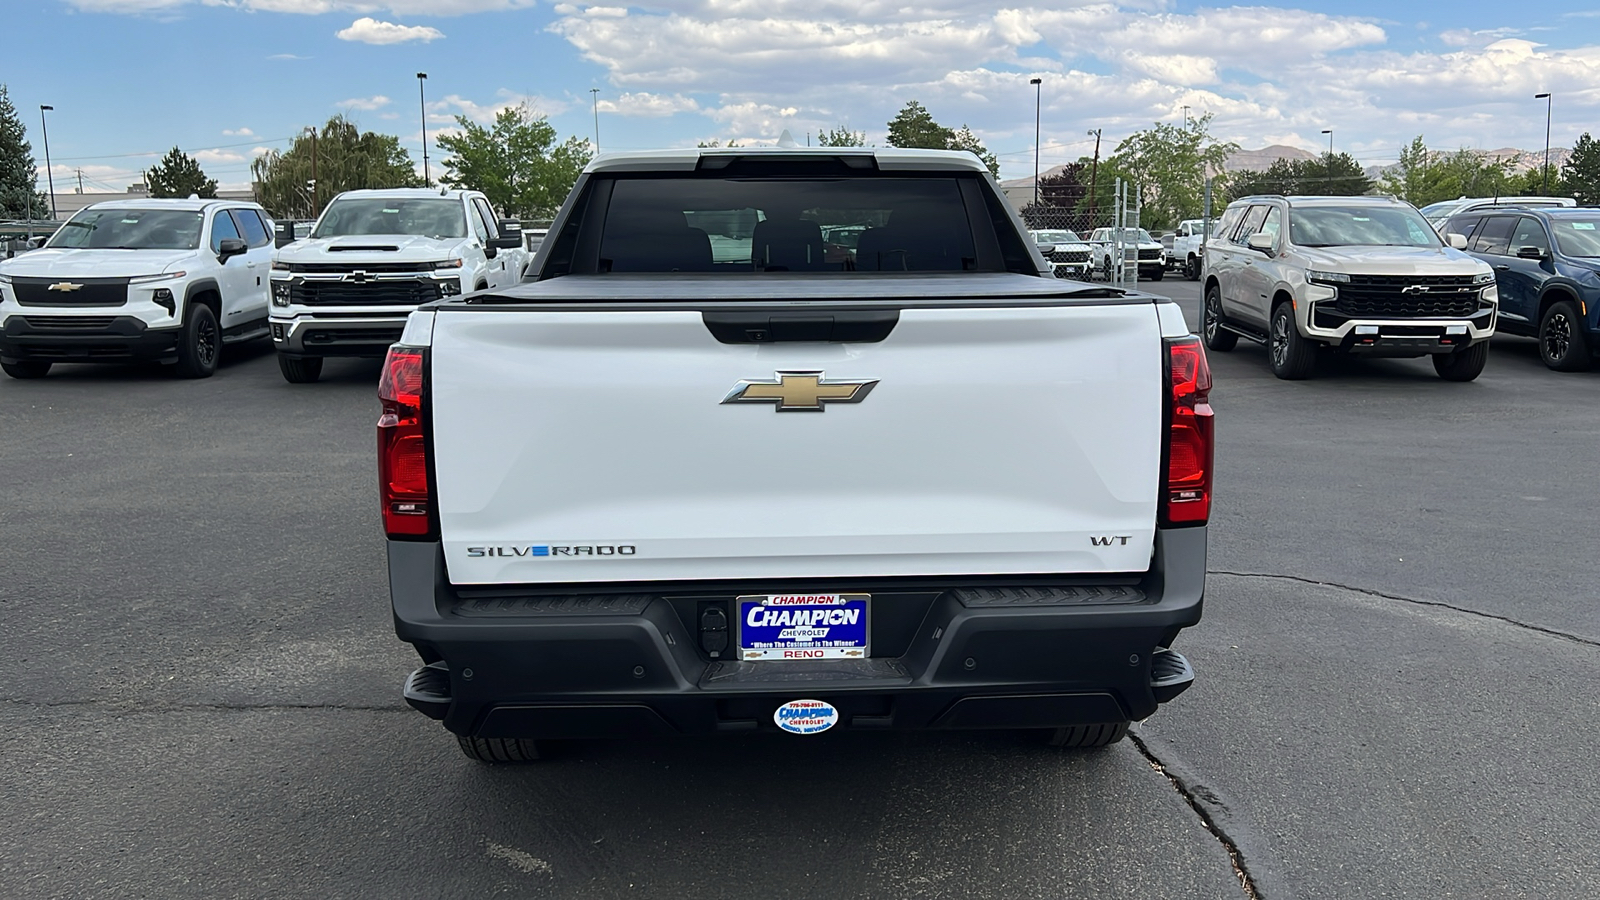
(1547, 267)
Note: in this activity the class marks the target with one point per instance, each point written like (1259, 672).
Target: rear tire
(1462, 365)
(200, 346)
(1191, 269)
(1216, 337)
(300, 370)
(1082, 737)
(26, 368)
(499, 750)
(1291, 354)
(1563, 345)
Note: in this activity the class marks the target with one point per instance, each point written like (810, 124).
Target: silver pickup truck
(710, 472)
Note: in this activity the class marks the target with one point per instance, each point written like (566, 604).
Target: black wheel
(300, 370)
(499, 750)
(26, 368)
(1216, 337)
(1191, 269)
(1562, 342)
(1292, 355)
(1086, 736)
(1462, 365)
(1105, 268)
(1158, 274)
(201, 343)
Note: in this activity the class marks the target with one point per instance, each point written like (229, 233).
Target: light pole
(1038, 97)
(594, 97)
(313, 132)
(1094, 174)
(1329, 133)
(422, 100)
(51, 178)
(1548, 102)
(1186, 116)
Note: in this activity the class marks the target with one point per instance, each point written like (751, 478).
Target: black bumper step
(428, 690)
(1170, 674)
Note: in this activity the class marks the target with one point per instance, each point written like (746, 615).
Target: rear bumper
(522, 663)
(342, 335)
(121, 339)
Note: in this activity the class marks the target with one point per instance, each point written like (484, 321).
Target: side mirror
(1456, 241)
(231, 247)
(510, 236)
(1261, 240)
(1531, 253)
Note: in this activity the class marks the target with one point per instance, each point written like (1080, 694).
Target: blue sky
(224, 78)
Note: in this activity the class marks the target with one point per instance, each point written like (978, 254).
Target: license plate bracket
(792, 627)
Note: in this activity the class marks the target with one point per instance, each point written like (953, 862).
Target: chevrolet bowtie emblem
(64, 286)
(800, 391)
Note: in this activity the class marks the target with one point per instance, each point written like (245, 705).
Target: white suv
(168, 281)
(374, 256)
(1362, 275)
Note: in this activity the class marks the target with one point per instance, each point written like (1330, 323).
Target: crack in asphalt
(1192, 794)
(1370, 592)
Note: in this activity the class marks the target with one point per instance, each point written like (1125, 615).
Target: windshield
(902, 224)
(1055, 237)
(1577, 237)
(1133, 234)
(1370, 226)
(131, 229)
(435, 218)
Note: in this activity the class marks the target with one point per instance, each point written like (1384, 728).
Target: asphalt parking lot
(1394, 695)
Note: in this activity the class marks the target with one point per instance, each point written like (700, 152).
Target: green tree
(1538, 182)
(19, 174)
(346, 159)
(516, 162)
(1581, 172)
(1338, 175)
(1424, 176)
(841, 137)
(914, 126)
(1169, 164)
(179, 175)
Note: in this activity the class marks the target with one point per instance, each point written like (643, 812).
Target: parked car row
(175, 281)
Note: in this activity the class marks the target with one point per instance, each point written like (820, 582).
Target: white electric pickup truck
(703, 473)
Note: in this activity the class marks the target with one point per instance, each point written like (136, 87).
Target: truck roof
(403, 193)
(688, 159)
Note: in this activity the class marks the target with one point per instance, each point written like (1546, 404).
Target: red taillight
(403, 483)
(1186, 495)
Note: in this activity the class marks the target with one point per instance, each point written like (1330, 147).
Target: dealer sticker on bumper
(806, 716)
(803, 626)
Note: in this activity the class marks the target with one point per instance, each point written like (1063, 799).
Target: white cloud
(218, 156)
(312, 7)
(259, 151)
(648, 105)
(446, 109)
(286, 56)
(238, 132)
(368, 30)
(367, 104)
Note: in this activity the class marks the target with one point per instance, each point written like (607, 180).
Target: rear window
(857, 223)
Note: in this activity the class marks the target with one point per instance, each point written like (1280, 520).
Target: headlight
(147, 279)
(1483, 278)
(449, 264)
(1327, 277)
(282, 266)
(5, 279)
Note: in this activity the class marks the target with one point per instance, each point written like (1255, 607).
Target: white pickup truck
(1185, 248)
(918, 484)
(373, 257)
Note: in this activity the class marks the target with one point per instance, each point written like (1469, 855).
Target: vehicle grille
(68, 322)
(92, 291)
(1388, 297)
(1068, 256)
(371, 293)
(1150, 255)
(371, 268)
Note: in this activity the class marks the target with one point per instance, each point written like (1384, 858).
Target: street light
(50, 176)
(1548, 102)
(1038, 97)
(1329, 133)
(594, 97)
(422, 100)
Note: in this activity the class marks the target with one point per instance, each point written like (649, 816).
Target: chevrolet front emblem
(800, 391)
(64, 286)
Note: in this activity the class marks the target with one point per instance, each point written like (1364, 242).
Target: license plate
(803, 626)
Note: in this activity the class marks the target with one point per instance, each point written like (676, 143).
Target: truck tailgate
(593, 445)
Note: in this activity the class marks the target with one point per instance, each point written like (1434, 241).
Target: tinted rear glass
(855, 224)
